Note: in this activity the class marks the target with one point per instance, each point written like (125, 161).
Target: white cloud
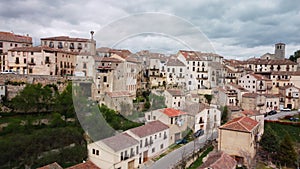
(238, 28)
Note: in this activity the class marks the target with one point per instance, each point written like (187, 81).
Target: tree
(208, 98)
(224, 117)
(270, 142)
(34, 98)
(295, 56)
(287, 154)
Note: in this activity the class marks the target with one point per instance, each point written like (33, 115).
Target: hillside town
(206, 99)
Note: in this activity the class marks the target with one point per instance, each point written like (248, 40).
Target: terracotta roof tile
(11, 37)
(149, 129)
(85, 165)
(120, 142)
(51, 166)
(250, 95)
(219, 160)
(107, 59)
(258, 61)
(250, 112)
(39, 49)
(243, 124)
(65, 38)
(172, 112)
(174, 62)
(175, 92)
(260, 77)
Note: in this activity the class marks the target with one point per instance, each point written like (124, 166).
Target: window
(51, 45)
(32, 53)
(161, 146)
(141, 143)
(84, 65)
(24, 60)
(122, 156)
(94, 151)
(16, 45)
(1, 44)
(153, 150)
(97, 152)
(30, 70)
(60, 45)
(71, 45)
(159, 135)
(17, 60)
(79, 46)
(105, 79)
(47, 59)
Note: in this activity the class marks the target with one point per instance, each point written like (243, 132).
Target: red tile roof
(107, 59)
(174, 62)
(250, 112)
(11, 37)
(250, 95)
(258, 61)
(85, 165)
(243, 124)
(65, 38)
(149, 129)
(172, 112)
(219, 160)
(260, 77)
(120, 141)
(51, 166)
(39, 49)
(175, 92)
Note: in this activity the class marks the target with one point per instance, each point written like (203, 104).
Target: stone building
(9, 40)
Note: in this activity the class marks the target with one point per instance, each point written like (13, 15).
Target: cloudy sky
(234, 29)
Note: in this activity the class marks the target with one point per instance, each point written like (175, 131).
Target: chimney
(92, 35)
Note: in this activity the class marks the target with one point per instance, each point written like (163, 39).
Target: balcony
(260, 104)
(31, 63)
(105, 67)
(201, 78)
(154, 69)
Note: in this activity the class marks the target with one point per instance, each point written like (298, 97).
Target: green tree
(287, 154)
(33, 98)
(208, 98)
(295, 56)
(270, 141)
(224, 117)
(64, 102)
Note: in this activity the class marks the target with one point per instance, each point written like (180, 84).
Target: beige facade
(80, 45)
(175, 119)
(120, 101)
(255, 83)
(9, 40)
(40, 60)
(262, 103)
(291, 96)
(238, 138)
(120, 151)
(153, 139)
(174, 98)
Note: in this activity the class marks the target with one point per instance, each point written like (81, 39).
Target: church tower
(280, 51)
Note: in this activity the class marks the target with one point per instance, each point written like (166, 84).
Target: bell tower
(279, 50)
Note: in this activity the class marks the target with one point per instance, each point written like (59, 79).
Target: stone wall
(15, 82)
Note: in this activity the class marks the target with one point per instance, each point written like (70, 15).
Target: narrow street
(175, 156)
(281, 115)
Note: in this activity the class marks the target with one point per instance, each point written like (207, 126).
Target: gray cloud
(236, 28)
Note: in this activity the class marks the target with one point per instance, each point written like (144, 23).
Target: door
(131, 164)
(177, 136)
(145, 155)
(289, 106)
